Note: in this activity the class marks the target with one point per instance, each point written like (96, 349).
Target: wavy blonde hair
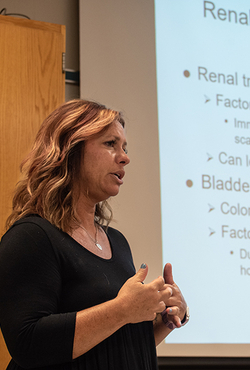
(51, 168)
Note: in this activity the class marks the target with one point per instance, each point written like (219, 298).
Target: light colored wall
(118, 68)
(64, 12)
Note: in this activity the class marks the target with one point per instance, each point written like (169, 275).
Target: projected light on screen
(203, 79)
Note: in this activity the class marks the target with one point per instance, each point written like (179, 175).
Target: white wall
(117, 62)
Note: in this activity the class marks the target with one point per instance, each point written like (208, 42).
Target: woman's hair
(51, 169)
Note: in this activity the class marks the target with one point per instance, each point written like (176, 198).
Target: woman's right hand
(135, 302)
(141, 302)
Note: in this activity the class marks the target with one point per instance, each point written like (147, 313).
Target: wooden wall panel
(32, 84)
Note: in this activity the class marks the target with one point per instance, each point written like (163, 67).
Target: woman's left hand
(176, 304)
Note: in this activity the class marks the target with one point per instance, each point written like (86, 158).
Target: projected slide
(203, 78)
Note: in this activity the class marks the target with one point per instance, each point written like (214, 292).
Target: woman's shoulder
(29, 232)
(118, 239)
(114, 233)
(33, 222)
(33, 219)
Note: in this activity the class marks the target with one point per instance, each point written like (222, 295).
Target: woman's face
(102, 165)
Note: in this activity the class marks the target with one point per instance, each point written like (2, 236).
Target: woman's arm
(35, 331)
(161, 331)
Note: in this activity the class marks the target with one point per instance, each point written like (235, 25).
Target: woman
(70, 297)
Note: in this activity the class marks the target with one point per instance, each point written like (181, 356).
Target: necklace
(93, 240)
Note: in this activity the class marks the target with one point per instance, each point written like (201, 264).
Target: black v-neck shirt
(45, 278)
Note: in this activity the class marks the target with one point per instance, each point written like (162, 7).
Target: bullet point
(207, 99)
(212, 232)
(186, 73)
(189, 183)
(211, 208)
(209, 157)
(226, 120)
(231, 252)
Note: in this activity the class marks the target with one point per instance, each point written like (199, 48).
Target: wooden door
(32, 84)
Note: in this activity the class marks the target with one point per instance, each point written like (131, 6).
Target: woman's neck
(86, 213)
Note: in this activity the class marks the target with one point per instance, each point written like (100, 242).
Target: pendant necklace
(93, 240)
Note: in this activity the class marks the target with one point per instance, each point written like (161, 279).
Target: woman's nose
(123, 157)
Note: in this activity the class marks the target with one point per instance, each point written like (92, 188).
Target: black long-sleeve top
(45, 278)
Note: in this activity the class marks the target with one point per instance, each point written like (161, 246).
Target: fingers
(158, 283)
(176, 320)
(173, 311)
(142, 273)
(168, 274)
(173, 315)
(157, 293)
(160, 308)
(166, 294)
(141, 302)
(176, 305)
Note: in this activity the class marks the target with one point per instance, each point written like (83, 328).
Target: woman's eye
(110, 143)
(125, 150)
